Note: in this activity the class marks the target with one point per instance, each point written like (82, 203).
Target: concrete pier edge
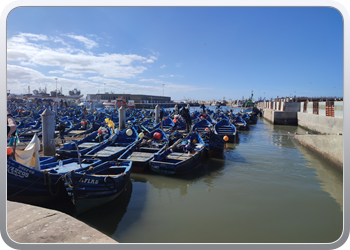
(329, 147)
(32, 224)
(325, 140)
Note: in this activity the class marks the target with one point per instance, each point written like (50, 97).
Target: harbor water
(265, 189)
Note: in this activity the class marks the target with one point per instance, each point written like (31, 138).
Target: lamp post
(56, 88)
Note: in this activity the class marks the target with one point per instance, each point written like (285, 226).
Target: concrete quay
(327, 140)
(32, 224)
(329, 147)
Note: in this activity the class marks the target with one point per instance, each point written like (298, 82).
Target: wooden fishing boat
(182, 157)
(124, 139)
(226, 130)
(167, 123)
(86, 144)
(240, 123)
(203, 126)
(214, 144)
(143, 150)
(250, 118)
(89, 190)
(28, 184)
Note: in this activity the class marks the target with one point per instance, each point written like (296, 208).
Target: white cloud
(74, 60)
(162, 67)
(34, 37)
(67, 61)
(56, 72)
(89, 44)
(165, 76)
(178, 65)
(73, 75)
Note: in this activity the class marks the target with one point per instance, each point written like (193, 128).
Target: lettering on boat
(17, 172)
(89, 181)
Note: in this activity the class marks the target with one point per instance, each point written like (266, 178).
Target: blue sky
(200, 53)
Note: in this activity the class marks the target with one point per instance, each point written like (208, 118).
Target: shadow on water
(107, 217)
(104, 218)
(62, 204)
(210, 169)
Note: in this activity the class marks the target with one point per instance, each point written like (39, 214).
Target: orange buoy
(9, 150)
(225, 138)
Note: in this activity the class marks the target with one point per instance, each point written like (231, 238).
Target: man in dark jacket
(61, 129)
(185, 113)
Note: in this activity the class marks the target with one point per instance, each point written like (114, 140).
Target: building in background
(109, 97)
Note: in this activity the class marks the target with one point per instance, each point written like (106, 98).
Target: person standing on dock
(185, 113)
(203, 107)
(61, 130)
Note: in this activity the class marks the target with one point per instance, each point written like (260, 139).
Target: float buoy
(9, 150)
(157, 135)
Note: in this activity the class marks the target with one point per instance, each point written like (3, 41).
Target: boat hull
(178, 168)
(95, 189)
(30, 185)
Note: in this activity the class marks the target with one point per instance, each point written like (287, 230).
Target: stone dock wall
(326, 122)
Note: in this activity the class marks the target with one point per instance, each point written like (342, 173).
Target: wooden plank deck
(107, 151)
(139, 156)
(88, 144)
(75, 132)
(179, 156)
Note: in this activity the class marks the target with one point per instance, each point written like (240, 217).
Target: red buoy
(9, 150)
(157, 135)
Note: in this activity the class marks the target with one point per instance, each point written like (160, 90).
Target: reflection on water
(266, 188)
(331, 177)
(106, 218)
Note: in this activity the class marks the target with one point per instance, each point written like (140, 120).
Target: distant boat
(74, 92)
(121, 101)
(41, 93)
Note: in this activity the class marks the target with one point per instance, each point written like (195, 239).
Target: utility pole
(56, 88)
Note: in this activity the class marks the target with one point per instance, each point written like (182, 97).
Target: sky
(197, 53)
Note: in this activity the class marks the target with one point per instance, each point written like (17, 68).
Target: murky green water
(266, 189)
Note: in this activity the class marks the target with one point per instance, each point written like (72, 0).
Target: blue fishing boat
(183, 156)
(143, 150)
(226, 130)
(214, 144)
(240, 123)
(108, 152)
(28, 184)
(88, 190)
(95, 139)
(180, 124)
(250, 118)
(167, 123)
(202, 126)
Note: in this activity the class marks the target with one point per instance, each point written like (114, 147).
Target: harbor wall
(280, 117)
(329, 147)
(323, 117)
(320, 123)
(164, 105)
